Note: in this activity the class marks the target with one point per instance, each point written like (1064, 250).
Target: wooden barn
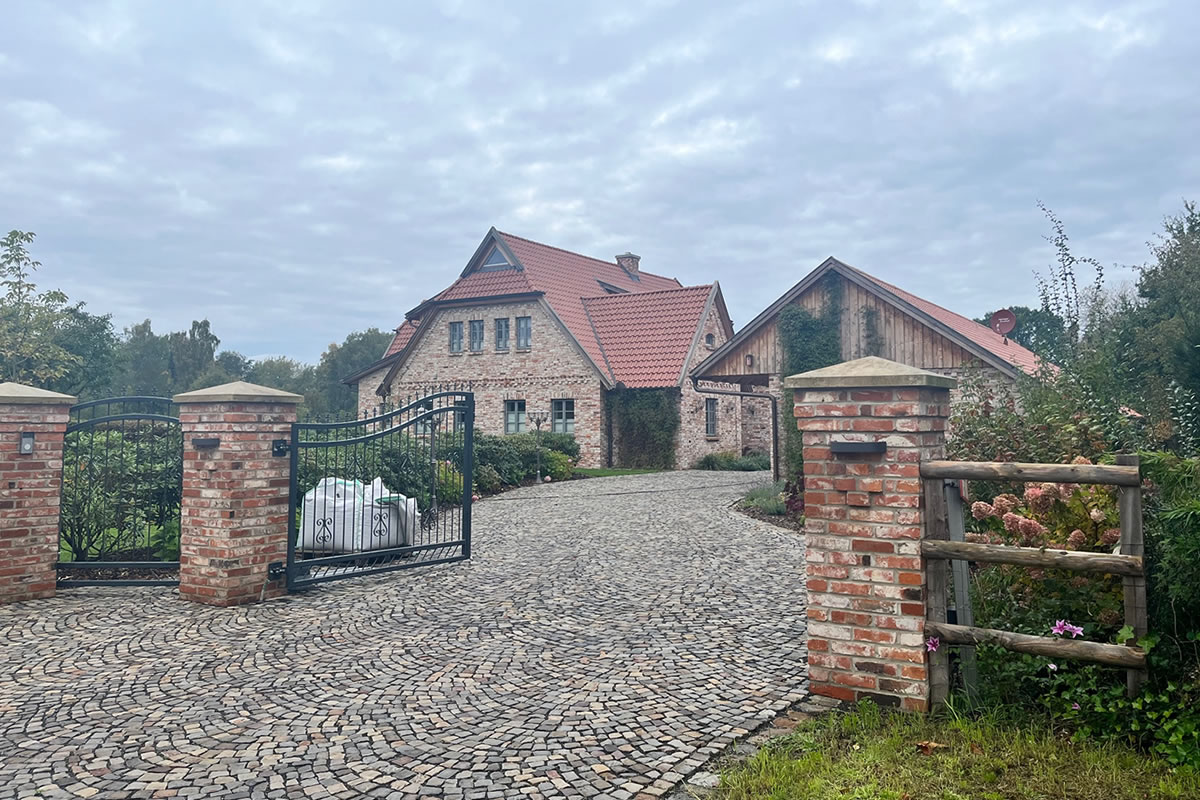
(876, 319)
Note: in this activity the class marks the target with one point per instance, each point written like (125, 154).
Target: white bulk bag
(341, 516)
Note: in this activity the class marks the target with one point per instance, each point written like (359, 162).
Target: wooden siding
(904, 338)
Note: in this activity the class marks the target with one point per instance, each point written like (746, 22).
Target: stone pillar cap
(871, 371)
(238, 392)
(18, 393)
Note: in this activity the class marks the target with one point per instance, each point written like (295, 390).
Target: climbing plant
(645, 422)
(810, 341)
(872, 336)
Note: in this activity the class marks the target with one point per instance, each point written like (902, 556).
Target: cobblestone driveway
(607, 638)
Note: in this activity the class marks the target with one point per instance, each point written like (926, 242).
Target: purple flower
(1053, 667)
(1063, 626)
(1074, 706)
(932, 644)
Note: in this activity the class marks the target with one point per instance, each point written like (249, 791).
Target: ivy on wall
(872, 336)
(809, 342)
(645, 422)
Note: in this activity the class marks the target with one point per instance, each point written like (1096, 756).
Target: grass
(608, 472)
(766, 499)
(872, 755)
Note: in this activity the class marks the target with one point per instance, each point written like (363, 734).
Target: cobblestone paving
(607, 638)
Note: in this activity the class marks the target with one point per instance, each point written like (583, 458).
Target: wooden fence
(945, 525)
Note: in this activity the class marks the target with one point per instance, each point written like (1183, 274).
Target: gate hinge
(280, 447)
(276, 570)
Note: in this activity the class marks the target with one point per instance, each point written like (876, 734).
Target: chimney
(629, 262)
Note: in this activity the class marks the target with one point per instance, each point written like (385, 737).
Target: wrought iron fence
(389, 492)
(121, 486)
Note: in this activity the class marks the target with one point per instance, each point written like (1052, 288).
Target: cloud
(345, 161)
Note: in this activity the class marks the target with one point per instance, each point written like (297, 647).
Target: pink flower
(980, 510)
(1111, 536)
(1031, 530)
(1005, 503)
(932, 644)
(1063, 626)
(1052, 667)
(1012, 522)
(1067, 490)
(1076, 540)
(977, 538)
(546, 479)
(1038, 499)
(1074, 706)
(1080, 460)
(1097, 515)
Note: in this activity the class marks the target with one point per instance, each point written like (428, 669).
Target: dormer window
(495, 260)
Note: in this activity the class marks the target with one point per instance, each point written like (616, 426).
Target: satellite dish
(1003, 322)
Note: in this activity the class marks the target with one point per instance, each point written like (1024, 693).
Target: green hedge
(513, 458)
(731, 462)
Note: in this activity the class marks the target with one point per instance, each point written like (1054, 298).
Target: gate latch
(276, 570)
(280, 447)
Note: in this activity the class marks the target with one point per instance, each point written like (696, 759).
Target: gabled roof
(648, 337)
(561, 278)
(979, 340)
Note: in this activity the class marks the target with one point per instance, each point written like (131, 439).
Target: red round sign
(1003, 321)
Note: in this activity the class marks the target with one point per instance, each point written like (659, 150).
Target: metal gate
(386, 493)
(121, 486)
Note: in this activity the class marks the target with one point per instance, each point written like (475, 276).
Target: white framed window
(562, 416)
(524, 333)
(476, 335)
(710, 416)
(456, 337)
(502, 334)
(514, 416)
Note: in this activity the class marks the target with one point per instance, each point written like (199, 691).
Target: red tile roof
(646, 336)
(403, 336)
(1003, 348)
(566, 278)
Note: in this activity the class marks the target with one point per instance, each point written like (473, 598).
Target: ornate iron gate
(386, 493)
(121, 485)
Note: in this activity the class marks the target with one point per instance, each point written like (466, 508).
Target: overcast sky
(294, 171)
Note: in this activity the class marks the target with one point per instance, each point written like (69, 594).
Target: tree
(94, 343)
(1039, 329)
(30, 321)
(192, 352)
(144, 360)
(360, 349)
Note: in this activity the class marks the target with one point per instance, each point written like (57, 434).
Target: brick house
(877, 319)
(533, 327)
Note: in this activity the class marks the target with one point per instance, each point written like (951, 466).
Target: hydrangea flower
(1031, 530)
(1076, 540)
(1038, 499)
(1062, 627)
(1097, 515)
(1012, 522)
(1111, 536)
(1005, 503)
(980, 510)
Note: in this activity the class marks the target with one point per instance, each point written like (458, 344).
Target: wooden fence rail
(945, 520)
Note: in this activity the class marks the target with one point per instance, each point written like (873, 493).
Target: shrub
(449, 483)
(487, 479)
(768, 499)
(514, 457)
(558, 465)
(729, 461)
(645, 422)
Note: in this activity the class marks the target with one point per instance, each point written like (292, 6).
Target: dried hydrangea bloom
(1031, 530)
(1111, 536)
(1080, 460)
(981, 510)
(1012, 522)
(1037, 499)
(1067, 490)
(1076, 540)
(1051, 489)
(1097, 515)
(977, 538)
(1005, 503)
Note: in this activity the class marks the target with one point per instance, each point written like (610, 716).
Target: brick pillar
(234, 512)
(30, 489)
(864, 522)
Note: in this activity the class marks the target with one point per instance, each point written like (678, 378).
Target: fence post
(30, 488)
(867, 424)
(234, 510)
(1129, 503)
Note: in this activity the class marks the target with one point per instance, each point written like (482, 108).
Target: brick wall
(863, 525)
(234, 511)
(692, 442)
(30, 489)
